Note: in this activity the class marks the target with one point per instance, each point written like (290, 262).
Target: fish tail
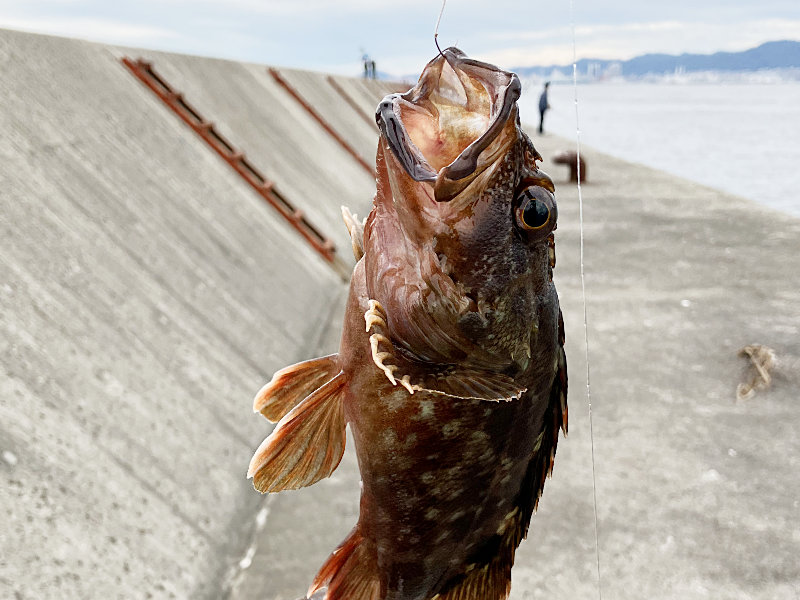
(292, 384)
(306, 445)
(349, 573)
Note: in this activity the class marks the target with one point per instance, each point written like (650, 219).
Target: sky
(332, 35)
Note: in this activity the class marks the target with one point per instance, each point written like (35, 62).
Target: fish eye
(535, 210)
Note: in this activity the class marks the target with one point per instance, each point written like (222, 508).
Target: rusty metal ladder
(264, 187)
(280, 80)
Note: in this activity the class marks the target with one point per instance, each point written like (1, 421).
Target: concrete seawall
(147, 292)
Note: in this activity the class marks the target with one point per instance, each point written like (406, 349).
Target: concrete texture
(147, 293)
(259, 117)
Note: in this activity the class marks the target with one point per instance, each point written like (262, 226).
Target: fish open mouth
(440, 128)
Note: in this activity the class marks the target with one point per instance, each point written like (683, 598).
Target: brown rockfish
(451, 370)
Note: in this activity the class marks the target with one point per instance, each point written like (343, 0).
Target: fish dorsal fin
(349, 573)
(356, 230)
(292, 384)
(306, 445)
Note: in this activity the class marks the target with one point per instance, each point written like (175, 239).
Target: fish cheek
(479, 247)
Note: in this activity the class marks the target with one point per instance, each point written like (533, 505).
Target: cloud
(324, 35)
(627, 40)
(95, 29)
(310, 9)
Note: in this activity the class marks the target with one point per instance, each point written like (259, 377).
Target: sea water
(740, 138)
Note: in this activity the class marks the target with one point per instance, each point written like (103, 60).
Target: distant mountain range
(771, 55)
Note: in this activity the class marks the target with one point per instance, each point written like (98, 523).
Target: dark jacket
(543, 104)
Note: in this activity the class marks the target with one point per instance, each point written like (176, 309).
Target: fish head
(462, 232)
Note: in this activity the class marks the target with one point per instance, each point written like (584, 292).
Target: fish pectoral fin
(470, 384)
(292, 384)
(306, 445)
(349, 573)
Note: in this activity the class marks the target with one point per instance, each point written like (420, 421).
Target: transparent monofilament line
(583, 291)
(436, 31)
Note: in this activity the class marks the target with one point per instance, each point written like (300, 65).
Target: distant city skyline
(331, 36)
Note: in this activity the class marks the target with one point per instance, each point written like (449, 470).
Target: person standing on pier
(543, 106)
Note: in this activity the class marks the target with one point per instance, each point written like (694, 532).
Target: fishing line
(583, 290)
(436, 31)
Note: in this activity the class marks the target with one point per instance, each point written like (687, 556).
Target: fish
(451, 372)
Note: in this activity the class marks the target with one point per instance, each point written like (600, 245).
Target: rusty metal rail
(318, 117)
(353, 104)
(265, 188)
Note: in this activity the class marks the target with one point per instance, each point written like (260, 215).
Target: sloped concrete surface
(147, 293)
(259, 117)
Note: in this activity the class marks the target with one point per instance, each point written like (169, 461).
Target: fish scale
(451, 371)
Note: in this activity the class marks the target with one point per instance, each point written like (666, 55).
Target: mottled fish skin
(451, 371)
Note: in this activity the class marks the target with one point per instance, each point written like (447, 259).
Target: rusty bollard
(568, 157)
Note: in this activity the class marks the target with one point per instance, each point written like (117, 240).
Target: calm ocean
(741, 138)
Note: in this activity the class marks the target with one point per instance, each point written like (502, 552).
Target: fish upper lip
(506, 86)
